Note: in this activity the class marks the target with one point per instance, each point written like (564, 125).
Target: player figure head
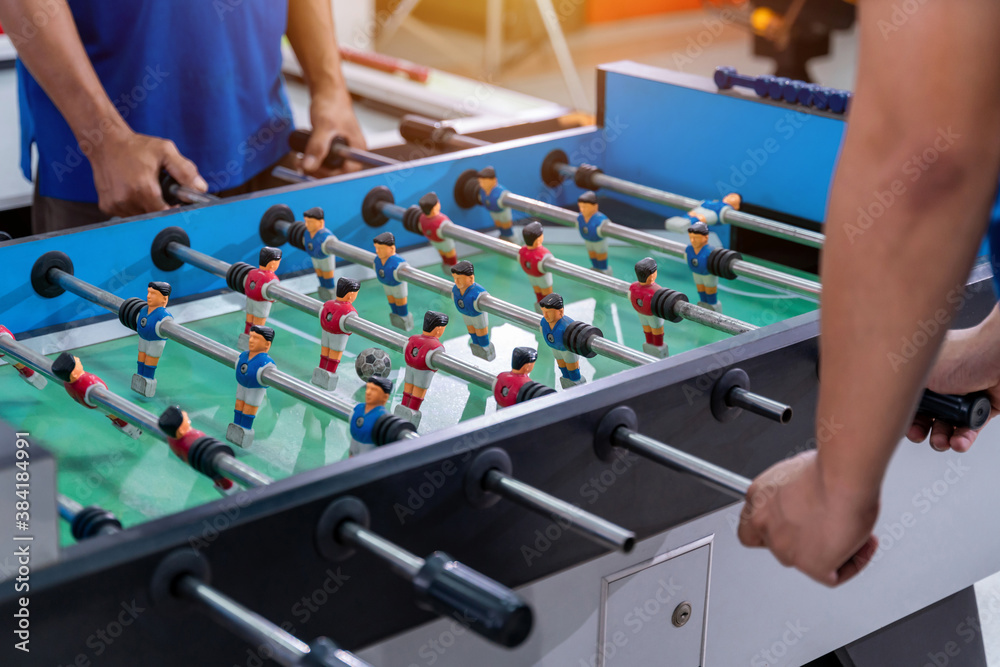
(698, 235)
(157, 294)
(522, 361)
(269, 259)
(430, 205)
(487, 179)
(464, 275)
(67, 368)
(734, 199)
(587, 202)
(347, 289)
(552, 308)
(260, 339)
(385, 245)
(175, 422)
(377, 391)
(533, 234)
(645, 270)
(434, 323)
(314, 219)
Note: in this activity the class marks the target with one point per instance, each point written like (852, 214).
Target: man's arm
(126, 165)
(314, 40)
(908, 208)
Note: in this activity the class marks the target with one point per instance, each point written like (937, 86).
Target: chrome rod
(759, 405)
(398, 557)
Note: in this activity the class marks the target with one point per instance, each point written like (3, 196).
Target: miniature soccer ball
(371, 362)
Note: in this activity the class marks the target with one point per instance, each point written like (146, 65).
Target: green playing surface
(141, 479)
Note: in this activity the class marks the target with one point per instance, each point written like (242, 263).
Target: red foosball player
(176, 424)
(36, 380)
(509, 383)
(641, 293)
(334, 338)
(531, 256)
(79, 383)
(430, 223)
(419, 350)
(255, 287)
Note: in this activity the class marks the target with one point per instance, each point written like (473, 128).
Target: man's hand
(969, 361)
(127, 173)
(331, 114)
(825, 532)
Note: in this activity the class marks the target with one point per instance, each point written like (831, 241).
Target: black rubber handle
(484, 606)
(969, 411)
(168, 188)
(300, 138)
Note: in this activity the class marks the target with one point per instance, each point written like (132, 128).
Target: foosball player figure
(176, 424)
(363, 419)
(250, 391)
(36, 380)
(589, 223)
(255, 287)
(387, 263)
(312, 241)
(79, 383)
(466, 293)
(709, 212)
(430, 222)
(554, 324)
(151, 343)
(334, 338)
(640, 293)
(531, 256)
(697, 254)
(509, 383)
(490, 193)
(419, 351)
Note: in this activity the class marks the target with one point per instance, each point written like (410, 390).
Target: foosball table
(492, 406)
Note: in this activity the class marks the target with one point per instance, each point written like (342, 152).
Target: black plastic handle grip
(333, 160)
(969, 411)
(484, 606)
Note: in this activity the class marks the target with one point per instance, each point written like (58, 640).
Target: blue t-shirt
(146, 324)
(206, 75)
(314, 244)
(554, 335)
(492, 200)
(363, 423)
(466, 303)
(588, 228)
(385, 273)
(993, 236)
(247, 368)
(698, 261)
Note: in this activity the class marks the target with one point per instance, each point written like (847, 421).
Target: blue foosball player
(312, 241)
(250, 391)
(151, 343)
(554, 323)
(589, 223)
(386, 264)
(490, 192)
(363, 419)
(697, 254)
(710, 212)
(466, 294)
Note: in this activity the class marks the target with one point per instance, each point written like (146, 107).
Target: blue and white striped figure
(151, 342)
(250, 389)
(709, 212)
(466, 294)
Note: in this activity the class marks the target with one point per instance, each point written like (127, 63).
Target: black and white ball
(373, 361)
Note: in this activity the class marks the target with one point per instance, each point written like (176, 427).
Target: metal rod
(363, 157)
(395, 555)
(68, 508)
(645, 240)
(759, 405)
(233, 468)
(589, 525)
(290, 175)
(731, 216)
(717, 477)
(286, 649)
(191, 196)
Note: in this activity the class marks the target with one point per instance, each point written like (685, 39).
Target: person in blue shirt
(151, 343)
(323, 263)
(553, 324)
(466, 294)
(589, 223)
(490, 192)
(710, 212)
(113, 93)
(250, 391)
(697, 253)
(386, 264)
(365, 415)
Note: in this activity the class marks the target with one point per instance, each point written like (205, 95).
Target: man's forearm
(908, 209)
(53, 53)
(313, 38)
